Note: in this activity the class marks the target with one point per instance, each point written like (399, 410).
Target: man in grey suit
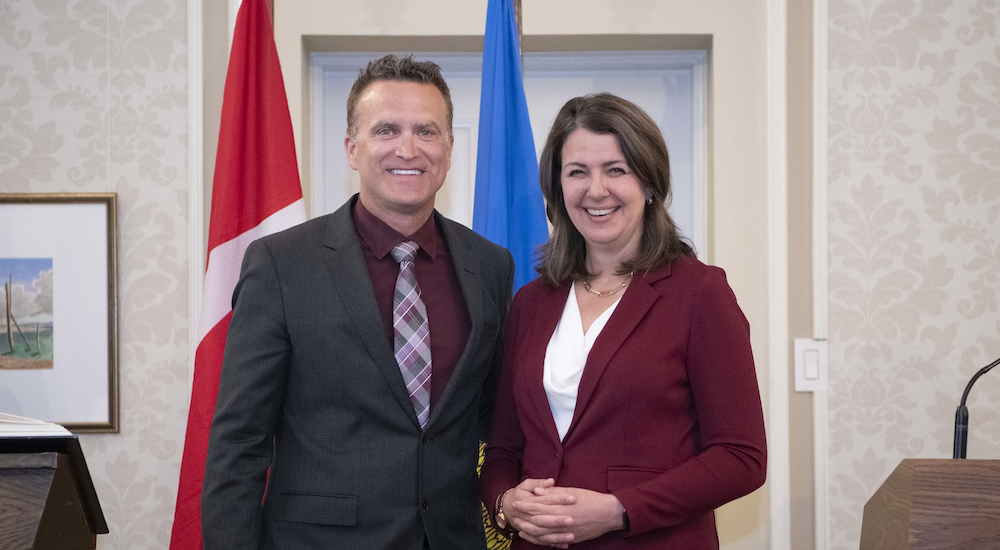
(361, 359)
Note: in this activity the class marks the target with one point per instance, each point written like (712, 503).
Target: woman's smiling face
(604, 199)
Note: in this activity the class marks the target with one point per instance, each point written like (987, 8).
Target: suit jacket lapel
(466, 269)
(346, 264)
(636, 301)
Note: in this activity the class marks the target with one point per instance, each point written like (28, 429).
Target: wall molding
(821, 264)
(779, 446)
(196, 183)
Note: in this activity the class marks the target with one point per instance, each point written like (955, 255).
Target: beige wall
(737, 196)
(800, 290)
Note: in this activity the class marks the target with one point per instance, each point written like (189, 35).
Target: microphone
(962, 415)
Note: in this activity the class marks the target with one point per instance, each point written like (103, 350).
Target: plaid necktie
(411, 332)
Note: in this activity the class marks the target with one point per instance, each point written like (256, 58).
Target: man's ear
(451, 148)
(351, 148)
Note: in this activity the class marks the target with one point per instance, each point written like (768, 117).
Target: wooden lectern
(935, 504)
(47, 499)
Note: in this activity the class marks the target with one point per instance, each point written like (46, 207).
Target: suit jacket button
(425, 505)
(424, 439)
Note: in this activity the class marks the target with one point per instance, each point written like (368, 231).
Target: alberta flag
(508, 208)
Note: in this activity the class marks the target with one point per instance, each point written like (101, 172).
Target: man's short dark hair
(403, 69)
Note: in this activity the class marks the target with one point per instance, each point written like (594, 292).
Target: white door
(670, 85)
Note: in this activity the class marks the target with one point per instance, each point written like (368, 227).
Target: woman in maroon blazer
(628, 407)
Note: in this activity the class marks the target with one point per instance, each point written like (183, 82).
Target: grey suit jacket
(311, 400)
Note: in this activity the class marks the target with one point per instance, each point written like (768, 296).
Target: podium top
(69, 446)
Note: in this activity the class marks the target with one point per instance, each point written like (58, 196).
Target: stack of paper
(19, 426)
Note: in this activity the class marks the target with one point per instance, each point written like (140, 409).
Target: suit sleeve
(723, 381)
(505, 446)
(505, 288)
(250, 389)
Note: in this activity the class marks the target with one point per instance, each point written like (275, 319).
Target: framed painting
(58, 309)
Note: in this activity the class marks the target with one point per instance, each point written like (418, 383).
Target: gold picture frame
(59, 308)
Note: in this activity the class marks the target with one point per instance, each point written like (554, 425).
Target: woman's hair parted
(565, 254)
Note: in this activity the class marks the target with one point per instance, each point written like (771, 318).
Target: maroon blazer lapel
(638, 298)
(549, 310)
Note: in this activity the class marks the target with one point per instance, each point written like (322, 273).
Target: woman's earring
(649, 201)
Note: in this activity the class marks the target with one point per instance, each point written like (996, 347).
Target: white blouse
(565, 357)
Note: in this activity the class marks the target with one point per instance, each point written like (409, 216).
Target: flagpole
(520, 31)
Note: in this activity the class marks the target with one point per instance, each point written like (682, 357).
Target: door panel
(669, 85)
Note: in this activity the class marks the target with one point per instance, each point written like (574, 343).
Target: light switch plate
(811, 365)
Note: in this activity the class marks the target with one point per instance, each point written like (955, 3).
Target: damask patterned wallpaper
(914, 219)
(93, 98)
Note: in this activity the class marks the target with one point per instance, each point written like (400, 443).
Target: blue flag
(508, 209)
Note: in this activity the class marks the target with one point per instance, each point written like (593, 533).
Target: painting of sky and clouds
(26, 328)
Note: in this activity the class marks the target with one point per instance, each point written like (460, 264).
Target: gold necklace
(610, 291)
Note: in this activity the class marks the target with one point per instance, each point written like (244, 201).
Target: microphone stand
(962, 415)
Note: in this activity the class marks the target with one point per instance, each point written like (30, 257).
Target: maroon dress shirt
(439, 288)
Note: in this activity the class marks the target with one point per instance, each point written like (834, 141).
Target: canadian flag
(256, 191)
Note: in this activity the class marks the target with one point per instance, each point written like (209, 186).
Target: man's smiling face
(402, 148)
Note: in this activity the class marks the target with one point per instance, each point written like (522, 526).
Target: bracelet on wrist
(500, 520)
